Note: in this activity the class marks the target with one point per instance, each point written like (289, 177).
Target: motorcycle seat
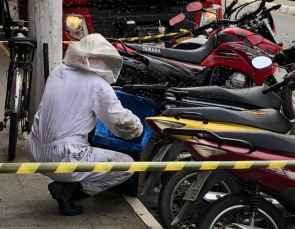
(263, 139)
(195, 56)
(266, 119)
(251, 97)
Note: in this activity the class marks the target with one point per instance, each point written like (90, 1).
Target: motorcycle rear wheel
(221, 214)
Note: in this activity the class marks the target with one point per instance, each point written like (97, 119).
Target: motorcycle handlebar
(273, 87)
(276, 7)
(261, 6)
(288, 80)
(229, 22)
(228, 9)
(221, 22)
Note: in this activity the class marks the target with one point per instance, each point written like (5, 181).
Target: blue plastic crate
(142, 107)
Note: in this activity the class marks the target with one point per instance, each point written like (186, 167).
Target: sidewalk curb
(5, 50)
(284, 8)
(141, 211)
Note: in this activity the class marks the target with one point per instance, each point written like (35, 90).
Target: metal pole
(46, 61)
(45, 23)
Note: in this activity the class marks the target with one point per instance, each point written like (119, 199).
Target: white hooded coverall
(77, 93)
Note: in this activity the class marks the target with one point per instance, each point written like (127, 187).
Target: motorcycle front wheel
(287, 97)
(234, 209)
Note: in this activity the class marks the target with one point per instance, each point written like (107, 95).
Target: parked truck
(124, 18)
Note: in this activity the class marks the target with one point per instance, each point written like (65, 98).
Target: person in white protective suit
(77, 94)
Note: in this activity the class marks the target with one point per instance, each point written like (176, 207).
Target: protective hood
(94, 53)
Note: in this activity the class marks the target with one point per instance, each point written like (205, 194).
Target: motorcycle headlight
(209, 16)
(76, 26)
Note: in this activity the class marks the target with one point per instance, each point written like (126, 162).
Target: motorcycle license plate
(161, 153)
(196, 186)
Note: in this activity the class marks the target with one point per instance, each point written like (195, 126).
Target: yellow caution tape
(145, 37)
(95, 167)
(148, 37)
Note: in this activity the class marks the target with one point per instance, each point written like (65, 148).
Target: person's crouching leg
(65, 193)
(98, 182)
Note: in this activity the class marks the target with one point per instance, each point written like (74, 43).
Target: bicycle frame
(22, 50)
(19, 76)
(16, 90)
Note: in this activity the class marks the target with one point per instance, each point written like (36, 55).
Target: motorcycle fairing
(265, 119)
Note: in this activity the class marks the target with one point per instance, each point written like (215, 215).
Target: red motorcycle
(266, 196)
(262, 23)
(223, 60)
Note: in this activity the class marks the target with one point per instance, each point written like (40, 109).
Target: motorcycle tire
(164, 200)
(238, 201)
(13, 131)
(287, 97)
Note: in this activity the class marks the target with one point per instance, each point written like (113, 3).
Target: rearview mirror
(178, 18)
(261, 62)
(194, 6)
(253, 40)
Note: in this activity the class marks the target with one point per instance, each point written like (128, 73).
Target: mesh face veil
(94, 53)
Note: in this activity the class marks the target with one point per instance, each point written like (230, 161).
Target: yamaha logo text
(151, 49)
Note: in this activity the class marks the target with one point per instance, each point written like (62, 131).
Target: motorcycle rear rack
(217, 138)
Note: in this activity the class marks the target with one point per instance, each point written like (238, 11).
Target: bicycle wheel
(13, 130)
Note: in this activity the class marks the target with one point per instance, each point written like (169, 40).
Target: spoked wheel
(13, 131)
(171, 198)
(233, 211)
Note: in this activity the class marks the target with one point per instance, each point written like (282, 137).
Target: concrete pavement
(26, 203)
(285, 29)
(288, 6)
(285, 2)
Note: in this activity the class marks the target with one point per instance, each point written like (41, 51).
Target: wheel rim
(240, 214)
(177, 201)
